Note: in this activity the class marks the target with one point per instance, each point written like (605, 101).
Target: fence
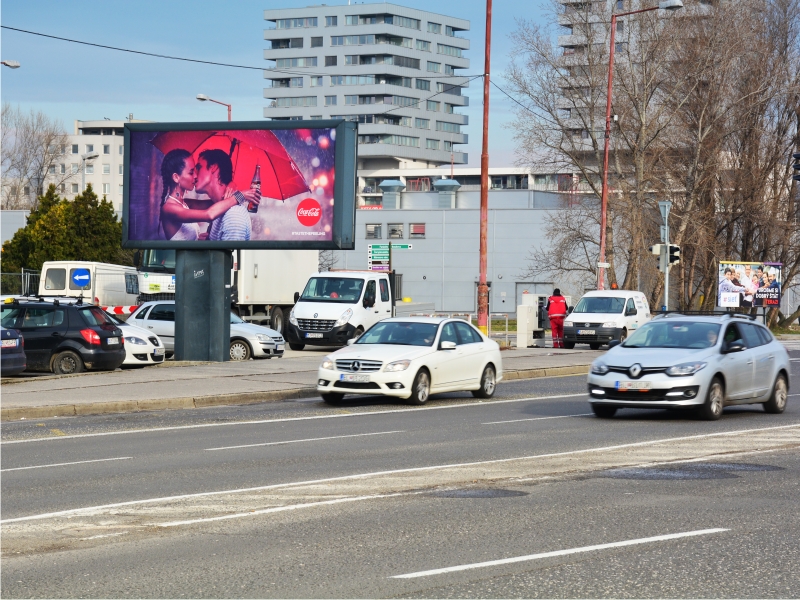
(469, 318)
(19, 284)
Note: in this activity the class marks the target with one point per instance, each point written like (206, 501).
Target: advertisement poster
(748, 284)
(236, 186)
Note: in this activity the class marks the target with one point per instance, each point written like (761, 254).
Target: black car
(65, 337)
(13, 352)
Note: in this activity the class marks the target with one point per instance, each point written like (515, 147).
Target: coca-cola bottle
(255, 185)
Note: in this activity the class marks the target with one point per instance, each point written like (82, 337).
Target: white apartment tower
(394, 70)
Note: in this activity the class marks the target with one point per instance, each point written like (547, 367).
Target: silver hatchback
(692, 362)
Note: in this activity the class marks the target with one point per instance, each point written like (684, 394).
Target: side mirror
(570, 309)
(137, 257)
(631, 312)
(351, 342)
(296, 297)
(447, 346)
(369, 301)
(734, 346)
(613, 344)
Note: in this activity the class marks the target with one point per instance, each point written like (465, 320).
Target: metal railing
(505, 316)
(23, 283)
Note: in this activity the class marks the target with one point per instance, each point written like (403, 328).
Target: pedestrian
(557, 310)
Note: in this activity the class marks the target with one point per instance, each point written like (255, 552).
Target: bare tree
(327, 260)
(34, 149)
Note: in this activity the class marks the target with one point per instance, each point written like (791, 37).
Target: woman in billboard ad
(231, 185)
(748, 284)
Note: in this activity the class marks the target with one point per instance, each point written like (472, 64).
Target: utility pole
(483, 289)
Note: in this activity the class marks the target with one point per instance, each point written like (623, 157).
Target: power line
(511, 97)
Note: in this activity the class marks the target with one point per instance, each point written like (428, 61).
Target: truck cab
(338, 306)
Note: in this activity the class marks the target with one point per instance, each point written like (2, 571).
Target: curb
(129, 406)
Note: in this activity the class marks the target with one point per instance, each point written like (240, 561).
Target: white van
(606, 315)
(338, 306)
(97, 283)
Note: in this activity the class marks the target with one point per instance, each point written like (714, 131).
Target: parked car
(65, 337)
(412, 358)
(700, 363)
(142, 347)
(603, 316)
(13, 352)
(247, 340)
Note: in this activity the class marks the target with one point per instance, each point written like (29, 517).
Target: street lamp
(84, 158)
(11, 64)
(204, 98)
(664, 5)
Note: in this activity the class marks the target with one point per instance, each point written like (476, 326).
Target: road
(299, 499)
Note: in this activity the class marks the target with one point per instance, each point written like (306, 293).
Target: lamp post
(664, 5)
(204, 98)
(11, 64)
(84, 158)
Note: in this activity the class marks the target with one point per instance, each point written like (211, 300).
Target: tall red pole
(601, 271)
(483, 289)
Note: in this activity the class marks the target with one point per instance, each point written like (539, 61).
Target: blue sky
(70, 81)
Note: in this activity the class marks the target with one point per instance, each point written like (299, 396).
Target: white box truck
(97, 283)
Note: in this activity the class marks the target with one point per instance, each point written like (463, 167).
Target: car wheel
(594, 346)
(276, 320)
(240, 350)
(421, 388)
(297, 347)
(332, 398)
(603, 411)
(67, 363)
(711, 409)
(569, 345)
(623, 336)
(488, 383)
(780, 392)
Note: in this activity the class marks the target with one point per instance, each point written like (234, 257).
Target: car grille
(365, 366)
(636, 395)
(578, 325)
(315, 324)
(356, 386)
(645, 370)
(277, 339)
(154, 341)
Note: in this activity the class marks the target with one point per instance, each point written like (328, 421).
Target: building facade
(397, 71)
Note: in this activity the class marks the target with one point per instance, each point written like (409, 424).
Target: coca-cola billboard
(240, 185)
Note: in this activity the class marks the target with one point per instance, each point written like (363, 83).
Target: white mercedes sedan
(412, 358)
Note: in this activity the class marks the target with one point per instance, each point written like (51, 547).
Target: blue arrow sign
(82, 278)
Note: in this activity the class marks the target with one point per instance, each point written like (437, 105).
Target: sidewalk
(194, 385)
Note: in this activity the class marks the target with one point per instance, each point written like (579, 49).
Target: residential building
(397, 71)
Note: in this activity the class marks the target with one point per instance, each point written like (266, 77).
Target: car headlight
(328, 364)
(134, 340)
(398, 365)
(263, 338)
(685, 369)
(344, 318)
(599, 368)
(292, 318)
(610, 324)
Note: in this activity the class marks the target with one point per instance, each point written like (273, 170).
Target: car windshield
(674, 334)
(158, 260)
(344, 290)
(236, 319)
(400, 333)
(600, 304)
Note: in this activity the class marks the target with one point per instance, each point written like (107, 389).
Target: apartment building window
(620, 4)
(620, 46)
(75, 167)
(296, 23)
(396, 140)
(315, 117)
(424, 84)
(422, 123)
(75, 148)
(51, 170)
(74, 188)
(416, 231)
(402, 21)
(330, 61)
(432, 144)
(620, 26)
(330, 100)
(106, 169)
(316, 42)
(374, 231)
(449, 70)
(106, 188)
(287, 63)
(450, 108)
(106, 148)
(448, 146)
(89, 147)
(296, 82)
(352, 80)
(350, 100)
(433, 105)
(89, 169)
(564, 113)
(434, 67)
(395, 231)
(121, 150)
(434, 28)
(63, 169)
(423, 45)
(316, 81)
(449, 31)
(331, 21)
(448, 127)
(62, 189)
(120, 169)
(448, 50)
(120, 190)
(296, 101)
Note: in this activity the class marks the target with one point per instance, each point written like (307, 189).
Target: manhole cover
(477, 493)
(688, 471)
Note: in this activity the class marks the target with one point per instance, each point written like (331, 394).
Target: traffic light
(796, 166)
(656, 249)
(674, 254)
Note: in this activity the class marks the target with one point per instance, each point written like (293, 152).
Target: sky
(70, 81)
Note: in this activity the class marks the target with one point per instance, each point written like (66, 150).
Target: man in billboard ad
(749, 284)
(198, 188)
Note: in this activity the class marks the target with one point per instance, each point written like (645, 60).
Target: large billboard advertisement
(748, 284)
(281, 185)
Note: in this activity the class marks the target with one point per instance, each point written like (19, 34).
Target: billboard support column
(203, 305)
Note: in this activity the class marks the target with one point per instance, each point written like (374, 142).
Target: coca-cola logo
(309, 212)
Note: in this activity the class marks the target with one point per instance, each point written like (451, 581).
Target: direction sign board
(82, 278)
(386, 246)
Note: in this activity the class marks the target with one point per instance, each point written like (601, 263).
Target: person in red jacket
(557, 310)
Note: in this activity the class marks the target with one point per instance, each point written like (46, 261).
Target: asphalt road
(299, 499)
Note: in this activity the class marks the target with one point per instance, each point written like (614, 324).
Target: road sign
(604, 265)
(82, 278)
(386, 247)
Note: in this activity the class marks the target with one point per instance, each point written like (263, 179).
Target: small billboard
(747, 284)
(275, 184)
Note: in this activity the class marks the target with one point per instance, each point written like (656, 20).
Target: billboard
(748, 284)
(275, 184)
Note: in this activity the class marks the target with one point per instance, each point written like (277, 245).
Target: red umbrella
(280, 177)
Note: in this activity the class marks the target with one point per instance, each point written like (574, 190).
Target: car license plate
(586, 332)
(632, 385)
(113, 341)
(313, 335)
(354, 378)
(158, 352)
(280, 347)
(9, 343)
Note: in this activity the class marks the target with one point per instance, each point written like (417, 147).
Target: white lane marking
(105, 535)
(336, 437)
(80, 462)
(516, 559)
(274, 486)
(538, 419)
(278, 509)
(264, 421)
